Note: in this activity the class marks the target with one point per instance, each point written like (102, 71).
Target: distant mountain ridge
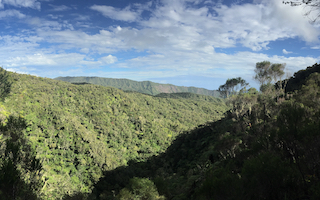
(146, 87)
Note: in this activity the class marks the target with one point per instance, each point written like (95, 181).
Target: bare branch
(311, 7)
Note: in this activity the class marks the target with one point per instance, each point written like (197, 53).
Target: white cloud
(108, 59)
(34, 60)
(55, 16)
(176, 39)
(59, 8)
(21, 70)
(114, 13)
(79, 17)
(315, 47)
(286, 52)
(292, 18)
(176, 26)
(11, 13)
(251, 25)
(21, 3)
(102, 42)
(11, 46)
(48, 25)
(169, 63)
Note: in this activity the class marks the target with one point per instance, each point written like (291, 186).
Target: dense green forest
(66, 141)
(266, 147)
(145, 87)
(79, 131)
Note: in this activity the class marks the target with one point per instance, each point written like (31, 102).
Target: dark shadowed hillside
(271, 152)
(299, 78)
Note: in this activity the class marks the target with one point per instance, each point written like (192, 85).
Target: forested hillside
(79, 131)
(146, 87)
(266, 147)
(93, 142)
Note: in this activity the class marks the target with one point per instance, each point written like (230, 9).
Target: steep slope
(271, 152)
(79, 131)
(146, 87)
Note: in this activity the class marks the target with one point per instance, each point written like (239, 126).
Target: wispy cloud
(59, 8)
(21, 3)
(118, 14)
(11, 13)
(48, 25)
(286, 52)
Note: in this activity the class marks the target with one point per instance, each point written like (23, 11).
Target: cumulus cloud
(118, 14)
(174, 25)
(292, 18)
(175, 38)
(21, 3)
(250, 25)
(108, 59)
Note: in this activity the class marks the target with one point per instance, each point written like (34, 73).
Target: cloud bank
(156, 39)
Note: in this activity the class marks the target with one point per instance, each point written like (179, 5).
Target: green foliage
(102, 143)
(243, 103)
(5, 84)
(232, 87)
(267, 73)
(20, 171)
(309, 93)
(79, 131)
(190, 96)
(220, 183)
(140, 189)
(299, 78)
(268, 177)
(266, 147)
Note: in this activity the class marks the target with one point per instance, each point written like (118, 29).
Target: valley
(84, 141)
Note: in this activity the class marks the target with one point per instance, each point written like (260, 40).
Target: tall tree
(232, 86)
(262, 72)
(267, 73)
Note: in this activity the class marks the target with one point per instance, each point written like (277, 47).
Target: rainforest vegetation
(83, 141)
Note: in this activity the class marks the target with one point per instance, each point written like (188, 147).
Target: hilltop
(145, 87)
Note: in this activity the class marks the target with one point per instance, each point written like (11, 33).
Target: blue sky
(197, 43)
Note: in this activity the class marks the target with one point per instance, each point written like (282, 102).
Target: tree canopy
(93, 142)
(20, 170)
(5, 83)
(232, 86)
(267, 73)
